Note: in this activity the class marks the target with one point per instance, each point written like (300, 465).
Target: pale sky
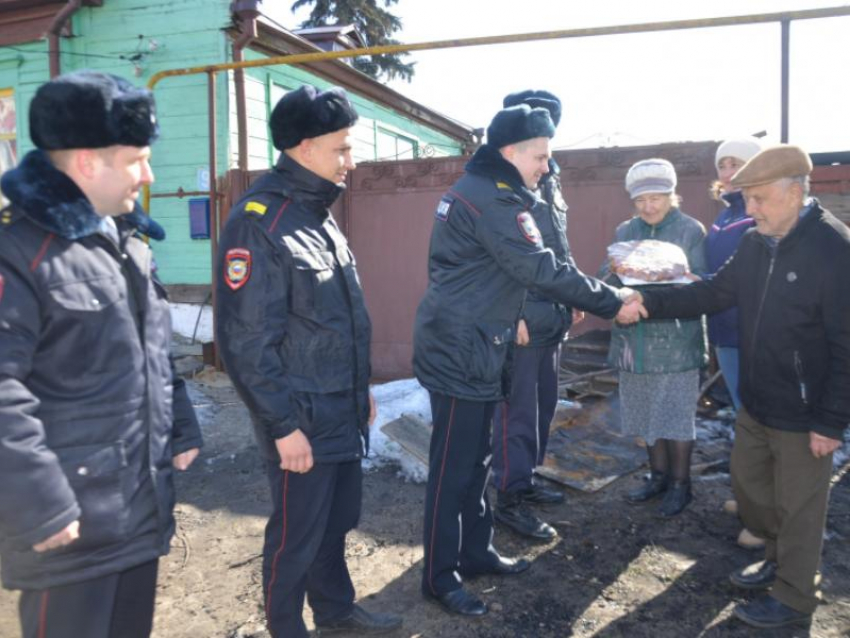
(635, 89)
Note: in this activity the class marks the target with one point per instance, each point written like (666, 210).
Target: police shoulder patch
(503, 186)
(443, 208)
(528, 228)
(237, 267)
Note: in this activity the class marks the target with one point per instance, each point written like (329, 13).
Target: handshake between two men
(632, 309)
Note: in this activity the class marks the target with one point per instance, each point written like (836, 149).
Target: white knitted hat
(742, 149)
(651, 176)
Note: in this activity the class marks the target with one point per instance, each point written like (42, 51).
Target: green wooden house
(137, 38)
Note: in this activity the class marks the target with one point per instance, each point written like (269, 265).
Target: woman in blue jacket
(720, 244)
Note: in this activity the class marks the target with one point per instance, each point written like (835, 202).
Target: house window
(364, 140)
(393, 146)
(8, 134)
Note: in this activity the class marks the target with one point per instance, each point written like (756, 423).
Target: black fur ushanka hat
(308, 112)
(517, 124)
(536, 99)
(89, 109)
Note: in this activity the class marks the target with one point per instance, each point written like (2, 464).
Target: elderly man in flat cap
(486, 250)
(294, 336)
(788, 279)
(92, 418)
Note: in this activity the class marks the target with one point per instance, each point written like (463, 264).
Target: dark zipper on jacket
(758, 314)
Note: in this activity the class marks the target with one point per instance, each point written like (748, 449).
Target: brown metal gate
(390, 212)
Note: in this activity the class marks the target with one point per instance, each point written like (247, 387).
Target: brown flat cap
(771, 164)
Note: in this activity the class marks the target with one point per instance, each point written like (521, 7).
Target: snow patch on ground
(394, 399)
(185, 317)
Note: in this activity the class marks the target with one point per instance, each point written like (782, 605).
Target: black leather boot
(676, 499)
(765, 612)
(756, 576)
(539, 494)
(654, 486)
(360, 621)
(511, 513)
(459, 602)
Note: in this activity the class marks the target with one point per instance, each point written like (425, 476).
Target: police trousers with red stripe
(458, 529)
(304, 549)
(117, 605)
(521, 424)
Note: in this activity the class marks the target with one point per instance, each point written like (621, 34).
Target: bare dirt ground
(615, 570)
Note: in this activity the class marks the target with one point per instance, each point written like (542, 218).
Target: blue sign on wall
(199, 217)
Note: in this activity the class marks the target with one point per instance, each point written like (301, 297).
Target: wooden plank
(411, 433)
(188, 293)
(588, 346)
(570, 379)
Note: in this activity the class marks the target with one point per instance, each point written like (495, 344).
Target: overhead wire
(83, 55)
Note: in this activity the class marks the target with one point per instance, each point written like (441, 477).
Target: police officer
(486, 249)
(521, 423)
(92, 417)
(294, 335)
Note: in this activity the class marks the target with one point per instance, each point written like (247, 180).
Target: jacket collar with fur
(51, 199)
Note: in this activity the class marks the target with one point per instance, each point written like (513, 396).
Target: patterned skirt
(659, 406)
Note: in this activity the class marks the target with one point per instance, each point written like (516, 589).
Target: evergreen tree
(374, 23)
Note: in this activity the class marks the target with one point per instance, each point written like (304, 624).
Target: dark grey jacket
(485, 251)
(294, 333)
(794, 327)
(91, 413)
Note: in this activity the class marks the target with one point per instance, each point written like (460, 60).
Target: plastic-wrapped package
(648, 261)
